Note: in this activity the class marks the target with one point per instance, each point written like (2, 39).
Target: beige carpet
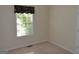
(42, 48)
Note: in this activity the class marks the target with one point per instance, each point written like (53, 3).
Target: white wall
(8, 40)
(77, 32)
(59, 25)
(1, 33)
(62, 26)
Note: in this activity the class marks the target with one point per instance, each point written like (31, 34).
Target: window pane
(24, 24)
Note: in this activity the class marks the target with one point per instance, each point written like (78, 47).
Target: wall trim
(59, 45)
(20, 46)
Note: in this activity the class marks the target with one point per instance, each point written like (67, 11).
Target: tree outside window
(24, 24)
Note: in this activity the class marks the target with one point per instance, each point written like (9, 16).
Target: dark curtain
(24, 9)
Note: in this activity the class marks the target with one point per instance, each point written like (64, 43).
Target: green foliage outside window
(25, 21)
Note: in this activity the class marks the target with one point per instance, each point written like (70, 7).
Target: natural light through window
(24, 24)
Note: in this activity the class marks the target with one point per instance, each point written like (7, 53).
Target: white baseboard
(20, 46)
(62, 47)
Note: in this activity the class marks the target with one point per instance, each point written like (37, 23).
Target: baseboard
(62, 47)
(33, 43)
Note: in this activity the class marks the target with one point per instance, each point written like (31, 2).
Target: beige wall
(8, 25)
(58, 22)
(62, 26)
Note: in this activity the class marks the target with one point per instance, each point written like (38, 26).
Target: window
(24, 24)
(24, 20)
